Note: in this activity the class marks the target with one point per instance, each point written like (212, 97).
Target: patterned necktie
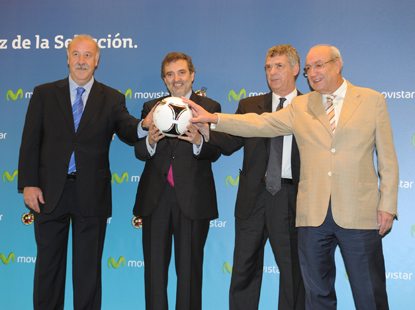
(77, 109)
(331, 112)
(273, 180)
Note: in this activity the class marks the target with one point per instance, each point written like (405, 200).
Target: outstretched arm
(200, 115)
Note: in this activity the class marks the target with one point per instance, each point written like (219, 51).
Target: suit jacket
(193, 178)
(49, 139)
(256, 155)
(339, 167)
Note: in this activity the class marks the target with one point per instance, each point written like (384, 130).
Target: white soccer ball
(171, 116)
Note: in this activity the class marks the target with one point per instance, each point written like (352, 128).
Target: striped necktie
(331, 112)
(77, 109)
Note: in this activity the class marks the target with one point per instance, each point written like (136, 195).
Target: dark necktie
(77, 109)
(273, 180)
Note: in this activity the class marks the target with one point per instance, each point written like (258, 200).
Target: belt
(283, 181)
(287, 181)
(71, 176)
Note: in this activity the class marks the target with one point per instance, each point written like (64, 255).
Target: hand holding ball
(171, 116)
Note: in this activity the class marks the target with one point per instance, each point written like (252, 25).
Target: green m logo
(231, 181)
(128, 93)
(7, 260)
(413, 231)
(227, 267)
(118, 179)
(6, 175)
(115, 265)
(13, 96)
(413, 140)
(236, 97)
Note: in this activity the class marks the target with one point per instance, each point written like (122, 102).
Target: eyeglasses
(317, 66)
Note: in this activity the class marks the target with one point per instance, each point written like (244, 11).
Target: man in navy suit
(64, 174)
(176, 195)
(260, 213)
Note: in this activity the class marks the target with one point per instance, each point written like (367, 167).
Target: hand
(149, 118)
(385, 220)
(192, 135)
(204, 130)
(32, 196)
(200, 115)
(154, 134)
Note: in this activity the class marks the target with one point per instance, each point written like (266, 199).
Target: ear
(193, 76)
(296, 70)
(338, 65)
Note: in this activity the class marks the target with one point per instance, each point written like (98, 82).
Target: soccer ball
(171, 116)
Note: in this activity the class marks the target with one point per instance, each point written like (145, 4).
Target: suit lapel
(350, 104)
(95, 99)
(315, 104)
(63, 98)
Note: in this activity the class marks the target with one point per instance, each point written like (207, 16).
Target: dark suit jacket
(193, 177)
(49, 139)
(256, 154)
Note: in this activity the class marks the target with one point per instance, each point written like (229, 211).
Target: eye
(267, 67)
(280, 66)
(318, 65)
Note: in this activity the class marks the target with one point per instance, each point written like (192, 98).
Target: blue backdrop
(228, 41)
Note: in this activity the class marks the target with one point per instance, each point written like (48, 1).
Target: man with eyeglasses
(263, 212)
(341, 200)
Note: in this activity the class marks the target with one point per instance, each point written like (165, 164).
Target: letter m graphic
(14, 96)
(236, 97)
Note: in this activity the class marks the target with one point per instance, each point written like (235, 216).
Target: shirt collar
(289, 97)
(73, 86)
(340, 93)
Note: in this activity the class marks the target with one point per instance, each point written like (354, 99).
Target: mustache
(82, 66)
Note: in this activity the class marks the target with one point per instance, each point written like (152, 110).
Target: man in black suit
(263, 212)
(64, 174)
(176, 195)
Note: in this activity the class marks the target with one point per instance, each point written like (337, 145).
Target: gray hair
(83, 37)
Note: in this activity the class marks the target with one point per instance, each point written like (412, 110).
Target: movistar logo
(413, 231)
(227, 267)
(114, 264)
(7, 260)
(118, 179)
(231, 181)
(6, 175)
(128, 92)
(235, 96)
(413, 140)
(13, 96)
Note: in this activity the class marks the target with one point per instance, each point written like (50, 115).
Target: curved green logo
(413, 231)
(7, 260)
(413, 140)
(118, 179)
(235, 96)
(13, 96)
(6, 175)
(128, 92)
(115, 265)
(227, 267)
(231, 181)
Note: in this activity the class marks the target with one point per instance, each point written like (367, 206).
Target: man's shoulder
(106, 89)
(255, 99)
(51, 85)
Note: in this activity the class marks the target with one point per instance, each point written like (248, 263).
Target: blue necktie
(77, 109)
(273, 180)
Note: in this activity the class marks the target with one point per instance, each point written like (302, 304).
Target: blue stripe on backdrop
(228, 41)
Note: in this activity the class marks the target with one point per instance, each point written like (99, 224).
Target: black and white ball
(171, 116)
